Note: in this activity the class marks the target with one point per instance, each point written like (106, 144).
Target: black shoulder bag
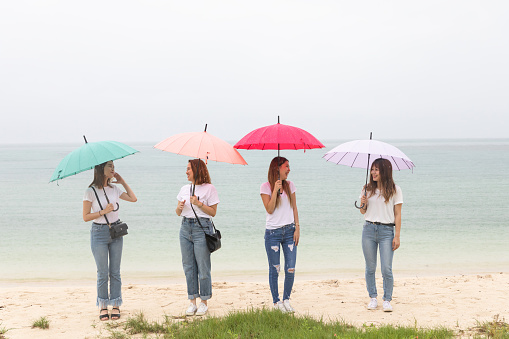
(214, 240)
(117, 230)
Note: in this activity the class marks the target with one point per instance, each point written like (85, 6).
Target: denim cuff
(205, 297)
(192, 296)
(116, 302)
(102, 303)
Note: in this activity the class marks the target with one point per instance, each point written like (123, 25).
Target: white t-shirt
(378, 210)
(283, 214)
(113, 193)
(206, 193)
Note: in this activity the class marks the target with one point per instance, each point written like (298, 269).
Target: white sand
(456, 302)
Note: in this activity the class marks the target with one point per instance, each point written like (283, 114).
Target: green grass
(496, 329)
(263, 323)
(3, 330)
(42, 322)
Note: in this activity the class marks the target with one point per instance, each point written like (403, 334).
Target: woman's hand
(118, 178)
(364, 201)
(296, 235)
(108, 209)
(180, 207)
(195, 201)
(395, 243)
(277, 186)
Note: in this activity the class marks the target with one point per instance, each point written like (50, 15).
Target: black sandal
(116, 315)
(104, 317)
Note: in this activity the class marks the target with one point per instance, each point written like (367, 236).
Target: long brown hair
(273, 176)
(388, 187)
(99, 176)
(201, 175)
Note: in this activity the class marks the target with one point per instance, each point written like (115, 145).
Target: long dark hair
(273, 176)
(201, 176)
(99, 176)
(388, 187)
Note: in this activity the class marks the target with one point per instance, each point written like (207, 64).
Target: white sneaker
(373, 304)
(280, 307)
(191, 309)
(202, 309)
(387, 306)
(288, 307)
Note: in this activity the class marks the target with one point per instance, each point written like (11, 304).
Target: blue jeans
(374, 236)
(196, 257)
(274, 239)
(106, 249)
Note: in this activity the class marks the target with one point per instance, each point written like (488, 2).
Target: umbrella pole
(278, 164)
(198, 169)
(367, 172)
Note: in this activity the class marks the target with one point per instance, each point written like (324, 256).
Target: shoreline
(456, 302)
(237, 276)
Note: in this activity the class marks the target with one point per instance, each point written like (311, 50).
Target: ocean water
(455, 213)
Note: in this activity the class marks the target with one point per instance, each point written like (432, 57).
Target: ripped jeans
(274, 239)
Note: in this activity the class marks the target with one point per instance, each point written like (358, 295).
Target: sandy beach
(456, 302)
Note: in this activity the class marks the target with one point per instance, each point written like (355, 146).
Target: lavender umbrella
(362, 153)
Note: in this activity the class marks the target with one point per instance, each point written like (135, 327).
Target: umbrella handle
(117, 208)
(362, 206)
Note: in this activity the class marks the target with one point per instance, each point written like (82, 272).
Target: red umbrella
(278, 136)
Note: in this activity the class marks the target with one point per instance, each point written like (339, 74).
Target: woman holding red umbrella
(282, 229)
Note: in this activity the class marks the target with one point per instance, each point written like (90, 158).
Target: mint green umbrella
(89, 155)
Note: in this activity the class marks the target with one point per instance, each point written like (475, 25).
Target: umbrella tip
(86, 142)
(278, 119)
(370, 135)
(205, 128)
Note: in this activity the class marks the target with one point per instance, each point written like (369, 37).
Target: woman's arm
(88, 216)
(180, 207)
(128, 195)
(270, 201)
(296, 234)
(397, 221)
(210, 210)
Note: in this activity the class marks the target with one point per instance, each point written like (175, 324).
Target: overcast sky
(145, 70)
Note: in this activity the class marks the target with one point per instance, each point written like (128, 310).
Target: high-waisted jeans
(274, 239)
(196, 257)
(106, 249)
(374, 236)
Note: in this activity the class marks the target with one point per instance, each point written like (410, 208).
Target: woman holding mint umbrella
(100, 204)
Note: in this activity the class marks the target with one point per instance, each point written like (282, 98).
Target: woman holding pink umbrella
(197, 201)
(282, 229)
(381, 202)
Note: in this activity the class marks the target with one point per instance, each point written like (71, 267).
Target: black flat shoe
(115, 316)
(104, 317)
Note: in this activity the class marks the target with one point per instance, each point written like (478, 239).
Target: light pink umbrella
(201, 145)
(362, 153)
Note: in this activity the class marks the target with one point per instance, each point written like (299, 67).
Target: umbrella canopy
(201, 145)
(90, 155)
(280, 137)
(356, 154)
(362, 153)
